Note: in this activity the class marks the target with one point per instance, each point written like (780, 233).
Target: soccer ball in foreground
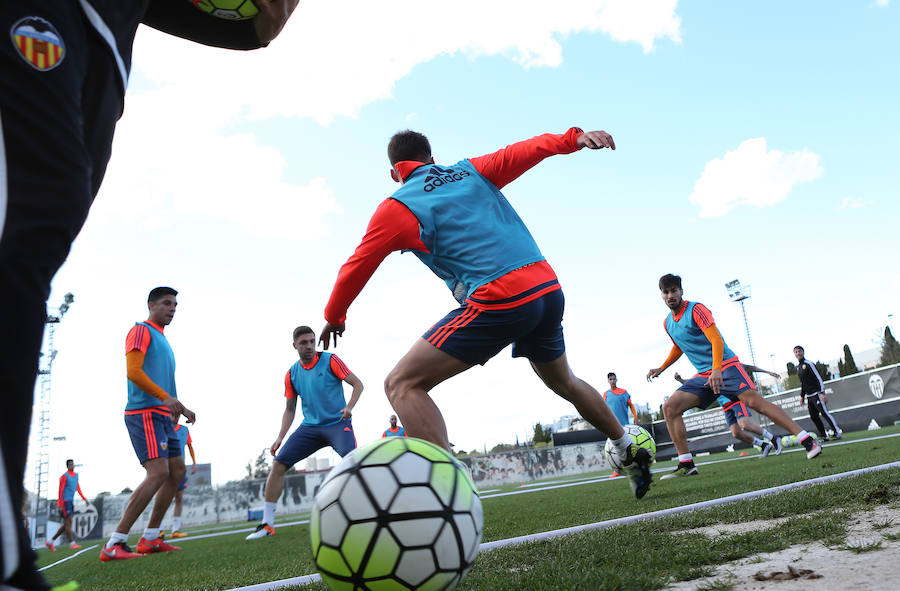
(639, 436)
(234, 10)
(399, 513)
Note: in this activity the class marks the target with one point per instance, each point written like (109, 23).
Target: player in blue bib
(693, 331)
(394, 430)
(317, 379)
(68, 486)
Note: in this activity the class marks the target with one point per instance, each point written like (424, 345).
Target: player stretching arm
(507, 291)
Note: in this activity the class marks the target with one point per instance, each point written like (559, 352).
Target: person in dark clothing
(812, 388)
(63, 72)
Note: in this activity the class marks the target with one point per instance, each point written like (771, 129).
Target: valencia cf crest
(163, 445)
(38, 42)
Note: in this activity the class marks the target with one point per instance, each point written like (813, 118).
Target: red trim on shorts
(747, 377)
(438, 338)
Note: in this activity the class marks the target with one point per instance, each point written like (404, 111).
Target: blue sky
(755, 141)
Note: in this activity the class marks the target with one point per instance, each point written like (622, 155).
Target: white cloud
(187, 167)
(752, 175)
(882, 2)
(334, 57)
(851, 202)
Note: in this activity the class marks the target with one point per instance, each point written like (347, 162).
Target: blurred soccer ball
(639, 436)
(398, 513)
(234, 10)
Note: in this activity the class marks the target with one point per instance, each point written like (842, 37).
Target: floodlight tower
(739, 293)
(42, 463)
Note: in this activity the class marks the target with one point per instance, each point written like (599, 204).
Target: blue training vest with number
(472, 233)
(321, 392)
(690, 339)
(159, 365)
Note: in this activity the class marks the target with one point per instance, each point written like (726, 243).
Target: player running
(742, 427)
(152, 409)
(812, 388)
(457, 222)
(693, 331)
(394, 430)
(184, 439)
(619, 402)
(318, 380)
(68, 486)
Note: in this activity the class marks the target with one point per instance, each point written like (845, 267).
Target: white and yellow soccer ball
(639, 436)
(234, 10)
(397, 513)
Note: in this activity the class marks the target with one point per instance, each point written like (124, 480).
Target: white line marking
(68, 557)
(487, 546)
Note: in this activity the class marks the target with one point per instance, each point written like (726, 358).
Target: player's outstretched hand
(274, 449)
(654, 373)
(330, 331)
(272, 17)
(596, 140)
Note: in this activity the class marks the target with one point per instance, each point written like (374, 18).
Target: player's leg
(673, 409)
(303, 442)
(823, 409)
(740, 434)
(163, 428)
(544, 346)
(37, 197)
(408, 384)
(178, 509)
(778, 416)
(157, 472)
(558, 376)
(812, 405)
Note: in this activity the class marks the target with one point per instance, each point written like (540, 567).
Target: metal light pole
(42, 463)
(740, 293)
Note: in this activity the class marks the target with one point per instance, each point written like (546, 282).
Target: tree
(259, 468)
(792, 380)
(890, 350)
(824, 371)
(540, 435)
(848, 367)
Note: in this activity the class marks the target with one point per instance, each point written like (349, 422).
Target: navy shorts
(474, 335)
(734, 411)
(735, 381)
(152, 433)
(183, 484)
(308, 439)
(67, 510)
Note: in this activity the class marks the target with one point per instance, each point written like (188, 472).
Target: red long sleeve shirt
(394, 227)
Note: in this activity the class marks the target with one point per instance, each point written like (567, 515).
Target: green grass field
(642, 555)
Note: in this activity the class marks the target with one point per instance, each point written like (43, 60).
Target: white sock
(53, 541)
(802, 435)
(176, 523)
(72, 543)
(151, 533)
(688, 457)
(768, 435)
(115, 538)
(269, 513)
